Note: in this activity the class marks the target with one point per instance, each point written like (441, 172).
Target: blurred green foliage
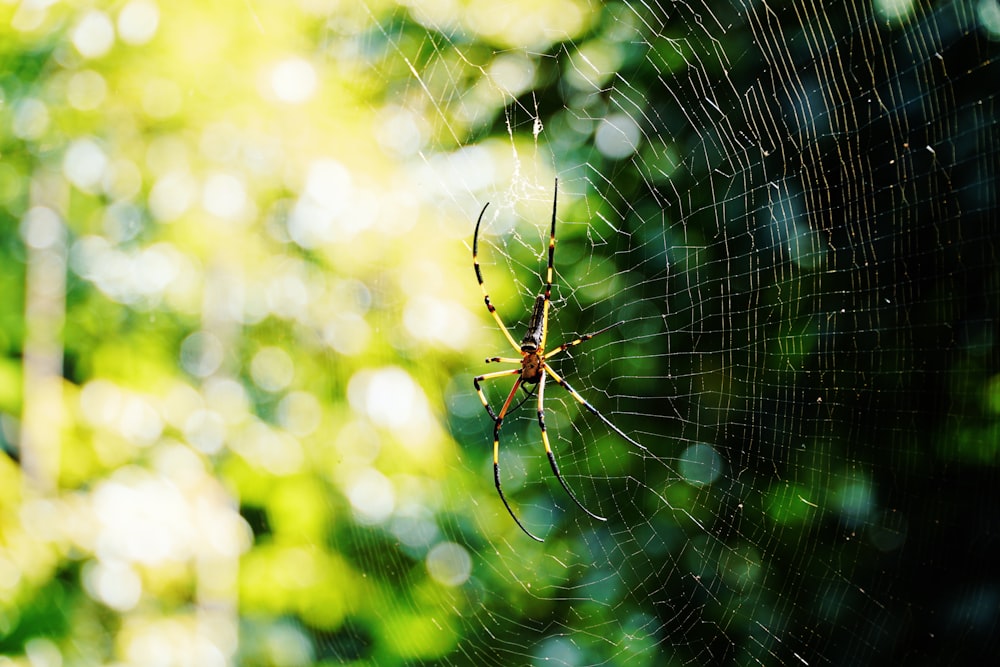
(239, 327)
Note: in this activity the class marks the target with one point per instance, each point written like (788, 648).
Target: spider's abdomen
(533, 338)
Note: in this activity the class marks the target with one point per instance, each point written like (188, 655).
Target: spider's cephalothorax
(534, 367)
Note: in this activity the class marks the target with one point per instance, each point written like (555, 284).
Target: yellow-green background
(239, 325)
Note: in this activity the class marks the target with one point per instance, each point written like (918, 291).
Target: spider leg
(482, 285)
(497, 422)
(548, 272)
(491, 376)
(552, 457)
(582, 339)
(582, 401)
(528, 393)
(503, 360)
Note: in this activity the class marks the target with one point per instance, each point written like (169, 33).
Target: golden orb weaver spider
(533, 367)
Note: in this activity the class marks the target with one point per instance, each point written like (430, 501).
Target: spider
(533, 368)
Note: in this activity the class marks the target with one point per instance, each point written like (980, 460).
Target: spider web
(791, 208)
(237, 411)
